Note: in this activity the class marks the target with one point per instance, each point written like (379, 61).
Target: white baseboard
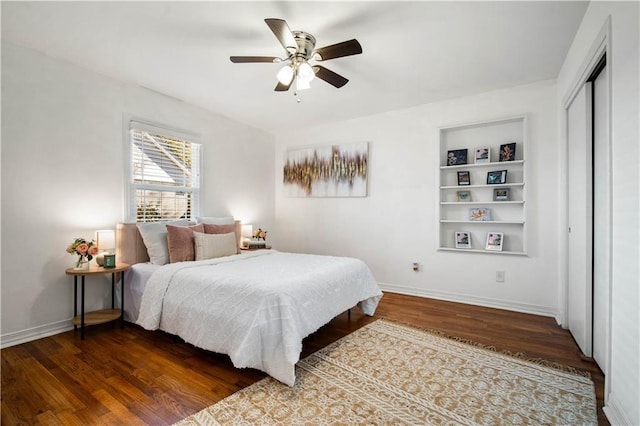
(472, 300)
(614, 413)
(23, 336)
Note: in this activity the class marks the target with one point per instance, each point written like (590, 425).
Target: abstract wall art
(327, 171)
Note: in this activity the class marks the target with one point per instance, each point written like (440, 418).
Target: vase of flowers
(260, 234)
(85, 250)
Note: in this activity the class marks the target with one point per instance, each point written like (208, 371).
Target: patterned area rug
(387, 373)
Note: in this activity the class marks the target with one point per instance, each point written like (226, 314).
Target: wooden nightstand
(103, 315)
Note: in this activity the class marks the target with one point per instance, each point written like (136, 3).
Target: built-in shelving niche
(507, 217)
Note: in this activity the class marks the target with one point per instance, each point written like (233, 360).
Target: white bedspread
(258, 306)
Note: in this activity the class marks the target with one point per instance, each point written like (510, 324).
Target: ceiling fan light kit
(300, 48)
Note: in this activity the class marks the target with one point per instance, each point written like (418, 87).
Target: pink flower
(82, 248)
(92, 251)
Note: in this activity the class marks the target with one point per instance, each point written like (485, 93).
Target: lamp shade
(302, 83)
(306, 72)
(247, 231)
(285, 75)
(106, 240)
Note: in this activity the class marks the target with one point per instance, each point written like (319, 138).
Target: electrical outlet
(499, 276)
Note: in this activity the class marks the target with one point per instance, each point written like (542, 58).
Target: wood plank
(135, 376)
(70, 418)
(117, 409)
(46, 389)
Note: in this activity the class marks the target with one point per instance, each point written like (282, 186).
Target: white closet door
(580, 220)
(601, 219)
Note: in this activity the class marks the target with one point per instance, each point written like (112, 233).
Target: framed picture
(501, 194)
(464, 195)
(464, 178)
(481, 214)
(494, 241)
(508, 151)
(339, 170)
(456, 157)
(496, 177)
(483, 155)
(463, 240)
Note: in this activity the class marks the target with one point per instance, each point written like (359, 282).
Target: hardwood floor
(134, 376)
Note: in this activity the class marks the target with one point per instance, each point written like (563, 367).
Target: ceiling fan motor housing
(306, 43)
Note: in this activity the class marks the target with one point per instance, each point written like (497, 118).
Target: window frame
(130, 198)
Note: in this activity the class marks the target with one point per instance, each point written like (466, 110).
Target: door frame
(600, 47)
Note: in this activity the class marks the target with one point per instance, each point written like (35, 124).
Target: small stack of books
(256, 244)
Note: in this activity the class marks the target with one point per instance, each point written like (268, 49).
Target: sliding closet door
(580, 219)
(601, 219)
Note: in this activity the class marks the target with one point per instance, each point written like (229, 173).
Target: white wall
(62, 177)
(622, 391)
(397, 223)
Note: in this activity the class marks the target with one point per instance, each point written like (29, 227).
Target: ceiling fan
(300, 48)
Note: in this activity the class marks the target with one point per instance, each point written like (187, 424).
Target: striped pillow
(210, 246)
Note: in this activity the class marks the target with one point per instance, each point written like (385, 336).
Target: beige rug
(387, 373)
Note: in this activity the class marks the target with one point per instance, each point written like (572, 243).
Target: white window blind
(165, 174)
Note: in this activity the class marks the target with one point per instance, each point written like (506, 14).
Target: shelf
(514, 253)
(493, 164)
(451, 203)
(499, 185)
(501, 222)
(98, 317)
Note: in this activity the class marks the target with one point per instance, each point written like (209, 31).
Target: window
(164, 174)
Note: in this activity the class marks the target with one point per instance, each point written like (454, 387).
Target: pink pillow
(221, 229)
(181, 242)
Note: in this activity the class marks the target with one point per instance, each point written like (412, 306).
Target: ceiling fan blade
(283, 33)
(249, 59)
(282, 87)
(338, 50)
(329, 76)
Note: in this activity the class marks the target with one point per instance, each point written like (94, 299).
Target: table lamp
(106, 242)
(247, 233)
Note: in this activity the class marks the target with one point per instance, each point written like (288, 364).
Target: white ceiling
(414, 52)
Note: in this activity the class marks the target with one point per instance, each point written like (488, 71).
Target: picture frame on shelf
(482, 155)
(508, 151)
(501, 194)
(494, 241)
(496, 177)
(463, 240)
(464, 196)
(464, 178)
(456, 157)
(480, 214)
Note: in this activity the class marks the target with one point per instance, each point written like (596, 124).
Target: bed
(255, 306)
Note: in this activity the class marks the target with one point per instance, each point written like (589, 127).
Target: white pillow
(223, 220)
(209, 246)
(154, 235)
